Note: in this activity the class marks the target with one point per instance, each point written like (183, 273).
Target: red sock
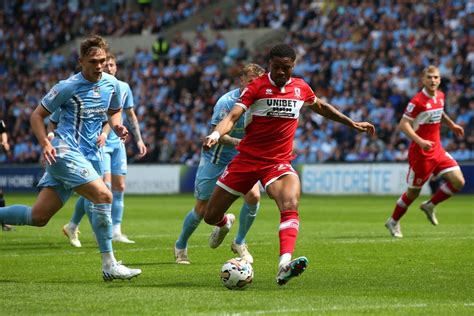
(222, 222)
(445, 191)
(401, 207)
(289, 225)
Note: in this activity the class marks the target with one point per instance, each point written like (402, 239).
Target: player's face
(431, 81)
(93, 65)
(281, 69)
(111, 67)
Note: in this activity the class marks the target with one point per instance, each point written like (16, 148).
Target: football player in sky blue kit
(114, 165)
(72, 157)
(211, 166)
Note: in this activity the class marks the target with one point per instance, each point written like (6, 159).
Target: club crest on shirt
(84, 173)
(298, 93)
(268, 92)
(428, 105)
(96, 92)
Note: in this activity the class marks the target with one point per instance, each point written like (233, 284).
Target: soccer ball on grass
(236, 274)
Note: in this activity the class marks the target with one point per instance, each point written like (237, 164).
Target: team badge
(298, 93)
(84, 173)
(96, 92)
(268, 92)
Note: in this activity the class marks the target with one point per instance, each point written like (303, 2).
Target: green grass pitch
(355, 267)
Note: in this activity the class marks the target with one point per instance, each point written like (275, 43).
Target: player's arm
(227, 139)
(115, 122)
(406, 126)
(456, 128)
(328, 111)
(104, 134)
(37, 125)
(4, 136)
(224, 126)
(135, 129)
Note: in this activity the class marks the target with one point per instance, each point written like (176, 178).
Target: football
(236, 274)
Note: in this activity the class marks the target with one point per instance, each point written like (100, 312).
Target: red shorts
(242, 173)
(420, 170)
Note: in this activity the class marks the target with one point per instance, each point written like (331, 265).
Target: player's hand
(425, 144)
(141, 149)
(458, 130)
(208, 142)
(121, 132)
(365, 127)
(49, 154)
(101, 140)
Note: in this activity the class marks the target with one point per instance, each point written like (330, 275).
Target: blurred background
(179, 57)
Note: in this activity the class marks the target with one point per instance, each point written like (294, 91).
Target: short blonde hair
(430, 69)
(253, 69)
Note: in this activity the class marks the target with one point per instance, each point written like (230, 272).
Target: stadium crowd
(363, 57)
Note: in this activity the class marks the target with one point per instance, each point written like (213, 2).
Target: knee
(120, 186)
(252, 198)
(104, 197)
(458, 183)
(211, 217)
(412, 194)
(39, 220)
(290, 204)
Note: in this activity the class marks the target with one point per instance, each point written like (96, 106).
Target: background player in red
(273, 102)
(421, 123)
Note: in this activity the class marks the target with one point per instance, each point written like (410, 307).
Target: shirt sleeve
(54, 118)
(221, 109)
(116, 100)
(127, 96)
(310, 96)
(248, 95)
(412, 109)
(57, 96)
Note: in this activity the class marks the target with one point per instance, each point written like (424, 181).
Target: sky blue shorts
(115, 160)
(70, 170)
(206, 178)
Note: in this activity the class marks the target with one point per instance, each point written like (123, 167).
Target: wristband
(214, 136)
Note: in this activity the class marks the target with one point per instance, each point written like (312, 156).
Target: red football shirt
(272, 117)
(426, 113)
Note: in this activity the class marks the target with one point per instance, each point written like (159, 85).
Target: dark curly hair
(91, 44)
(282, 51)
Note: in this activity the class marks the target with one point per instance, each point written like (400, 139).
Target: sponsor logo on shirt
(51, 94)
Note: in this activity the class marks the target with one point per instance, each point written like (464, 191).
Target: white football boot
(428, 208)
(243, 251)
(181, 256)
(122, 238)
(290, 270)
(219, 233)
(72, 235)
(394, 228)
(118, 271)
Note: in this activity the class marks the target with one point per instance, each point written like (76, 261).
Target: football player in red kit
(421, 122)
(272, 102)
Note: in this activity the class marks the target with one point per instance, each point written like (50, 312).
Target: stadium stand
(363, 58)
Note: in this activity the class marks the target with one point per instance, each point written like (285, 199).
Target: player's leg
(401, 207)
(248, 212)
(219, 203)
(285, 190)
(206, 177)
(453, 182)
(99, 200)
(71, 229)
(190, 223)
(46, 205)
(5, 227)
(118, 168)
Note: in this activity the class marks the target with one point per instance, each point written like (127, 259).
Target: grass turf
(355, 267)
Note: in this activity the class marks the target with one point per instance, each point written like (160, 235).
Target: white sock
(108, 259)
(116, 230)
(284, 259)
(72, 226)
